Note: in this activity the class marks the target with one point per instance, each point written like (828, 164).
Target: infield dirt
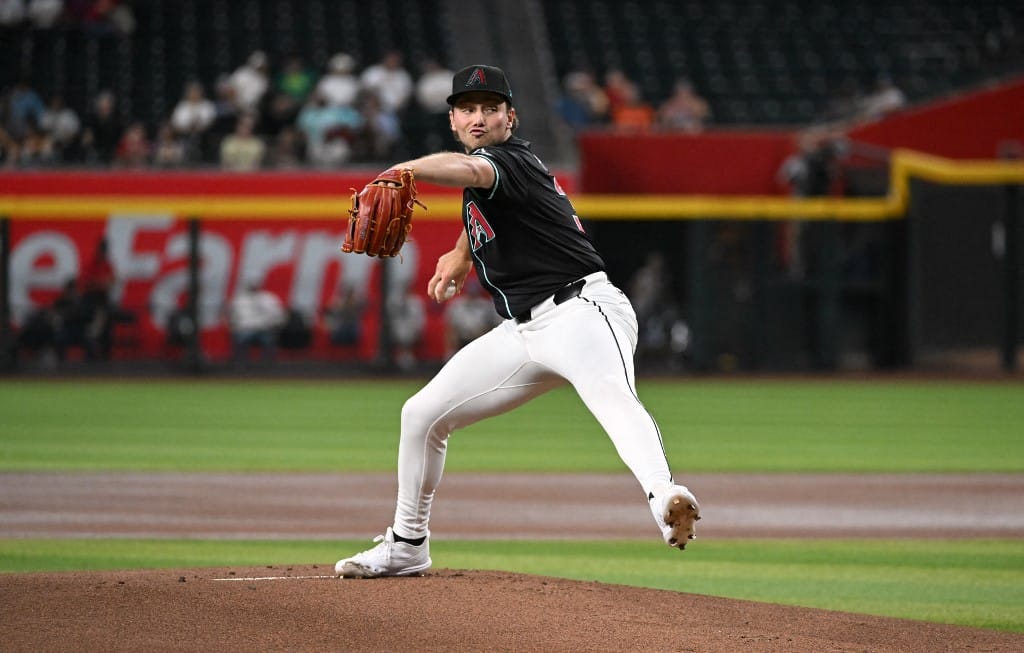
(447, 610)
(460, 610)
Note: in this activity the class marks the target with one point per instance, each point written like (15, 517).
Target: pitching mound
(303, 608)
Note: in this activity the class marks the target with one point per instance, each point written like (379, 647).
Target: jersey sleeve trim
(497, 174)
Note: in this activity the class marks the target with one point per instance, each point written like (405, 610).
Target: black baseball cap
(480, 78)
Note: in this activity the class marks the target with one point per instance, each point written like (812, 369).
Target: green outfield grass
(774, 426)
(821, 425)
(973, 583)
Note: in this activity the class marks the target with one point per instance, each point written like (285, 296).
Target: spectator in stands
(97, 287)
(684, 110)
(343, 316)
(169, 150)
(433, 87)
(224, 122)
(647, 286)
(381, 132)
(286, 152)
(36, 149)
(121, 15)
(71, 319)
(583, 103)
(619, 89)
(279, 111)
(433, 132)
(255, 317)
(44, 14)
(38, 334)
(179, 328)
(134, 149)
(242, 150)
(389, 81)
(632, 113)
(225, 105)
(808, 172)
(884, 99)
(23, 108)
(328, 131)
(61, 123)
(407, 314)
(102, 131)
(291, 90)
(662, 333)
(102, 17)
(12, 13)
(192, 117)
(340, 85)
(468, 316)
(296, 331)
(249, 83)
(296, 80)
(8, 150)
(75, 10)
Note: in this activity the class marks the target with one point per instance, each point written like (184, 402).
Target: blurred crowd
(615, 101)
(284, 113)
(618, 103)
(251, 119)
(93, 16)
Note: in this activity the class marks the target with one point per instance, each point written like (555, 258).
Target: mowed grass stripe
(339, 425)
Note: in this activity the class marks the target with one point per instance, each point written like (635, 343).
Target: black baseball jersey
(526, 238)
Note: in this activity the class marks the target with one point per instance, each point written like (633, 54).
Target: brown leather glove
(381, 214)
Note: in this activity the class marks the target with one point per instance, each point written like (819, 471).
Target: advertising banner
(296, 259)
(278, 230)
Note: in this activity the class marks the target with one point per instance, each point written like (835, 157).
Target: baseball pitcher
(564, 321)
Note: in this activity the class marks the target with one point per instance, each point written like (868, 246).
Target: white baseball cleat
(676, 510)
(388, 558)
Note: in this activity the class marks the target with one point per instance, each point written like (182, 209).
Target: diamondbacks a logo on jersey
(477, 227)
(477, 78)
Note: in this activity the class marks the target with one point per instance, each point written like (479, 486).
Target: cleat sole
(681, 517)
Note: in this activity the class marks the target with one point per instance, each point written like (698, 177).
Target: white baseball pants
(587, 341)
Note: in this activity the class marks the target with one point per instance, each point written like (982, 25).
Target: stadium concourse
(304, 608)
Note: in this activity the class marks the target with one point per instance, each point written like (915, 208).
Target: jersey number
(477, 227)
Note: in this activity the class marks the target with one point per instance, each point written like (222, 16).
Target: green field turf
(772, 426)
(821, 425)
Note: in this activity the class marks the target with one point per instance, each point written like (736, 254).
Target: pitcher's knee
(419, 416)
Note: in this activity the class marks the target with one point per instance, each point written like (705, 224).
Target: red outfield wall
(746, 162)
(296, 257)
(712, 163)
(971, 126)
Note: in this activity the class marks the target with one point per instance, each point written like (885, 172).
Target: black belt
(562, 295)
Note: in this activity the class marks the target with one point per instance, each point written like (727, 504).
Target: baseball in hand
(449, 290)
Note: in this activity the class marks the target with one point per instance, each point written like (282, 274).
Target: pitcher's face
(481, 119)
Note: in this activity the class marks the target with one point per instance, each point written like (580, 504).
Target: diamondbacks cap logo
(478, 78)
